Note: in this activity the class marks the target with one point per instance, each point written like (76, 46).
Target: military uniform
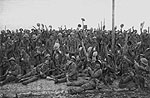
(85, 84)
(12, 73)
(70, 73)
(38, 72)
(136, 76)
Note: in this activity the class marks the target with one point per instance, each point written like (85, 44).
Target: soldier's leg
(30, 80)
(31, 73)
(9, 78)
(124, 82)
(89, 86)
(77, 83)
(60, 76)
(2, 78)
(62, 80)
(140, 81)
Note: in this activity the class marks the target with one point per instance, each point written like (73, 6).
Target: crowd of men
(65, 55)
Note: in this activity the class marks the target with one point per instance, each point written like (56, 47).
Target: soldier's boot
(75, 90)
(30, 80)
(60, 80)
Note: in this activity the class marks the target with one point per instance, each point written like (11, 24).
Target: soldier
(13, 73)
(70, 73)
(87, 84)
(24, 62)
(137, 75)
(57, 56)
(36, 73)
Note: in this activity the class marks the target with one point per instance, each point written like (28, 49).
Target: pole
(82, 24)
(5, 28)
(113, 25)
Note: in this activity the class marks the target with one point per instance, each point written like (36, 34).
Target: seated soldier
(38, 72)
(12, 74)
(87, 84)
(137, 76)
(70, 73)
(4, 67)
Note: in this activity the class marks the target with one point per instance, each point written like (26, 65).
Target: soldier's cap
(26, 35)
(12, 59)
(89, 49)
(73, 58)
(95, 53)
(144, 61)
(98, 62)
(59, 34)
(20, 29)
(38, 24)
(43, 44)
(47, 55)
(34, 36)
(46, 62)
(94, 49)
(94, 37)
(80, 48)
(56, 46)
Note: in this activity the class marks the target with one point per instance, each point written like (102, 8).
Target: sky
(27, 13)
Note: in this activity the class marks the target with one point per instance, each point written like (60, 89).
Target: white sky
(26, 13)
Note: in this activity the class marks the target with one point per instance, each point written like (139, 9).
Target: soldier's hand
(9, 72)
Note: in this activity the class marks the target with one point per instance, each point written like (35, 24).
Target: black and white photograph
(74, 49)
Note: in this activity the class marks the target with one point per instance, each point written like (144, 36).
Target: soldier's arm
(85, 52)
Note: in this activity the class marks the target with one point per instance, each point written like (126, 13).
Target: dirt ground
(47, 89)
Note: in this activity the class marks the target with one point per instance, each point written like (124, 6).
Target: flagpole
(113, 25)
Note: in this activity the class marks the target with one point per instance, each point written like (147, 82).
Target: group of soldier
(82, 58)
